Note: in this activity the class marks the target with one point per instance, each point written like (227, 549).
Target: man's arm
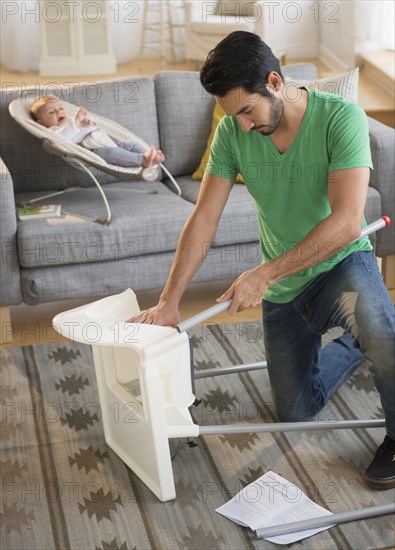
(195, 239)
(347, 192)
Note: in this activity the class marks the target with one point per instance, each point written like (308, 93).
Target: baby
(49, 111)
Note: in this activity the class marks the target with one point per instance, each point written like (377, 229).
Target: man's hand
(247, 290)
(161, 314)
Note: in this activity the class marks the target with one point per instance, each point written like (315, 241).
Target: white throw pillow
(344, 85)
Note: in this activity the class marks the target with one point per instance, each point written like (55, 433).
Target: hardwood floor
(146, 67)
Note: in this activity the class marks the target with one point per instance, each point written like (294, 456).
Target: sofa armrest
(10, 289)
(382, 144)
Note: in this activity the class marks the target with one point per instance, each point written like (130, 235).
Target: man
(312, 166)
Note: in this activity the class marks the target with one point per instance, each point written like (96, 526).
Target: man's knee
(295, 411)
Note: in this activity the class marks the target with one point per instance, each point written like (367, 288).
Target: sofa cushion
(55, 283)
(150, 271)
(184, 114)
(46, 284)
(142, 224)
(128, 101)
(300, 71)
(238, 223)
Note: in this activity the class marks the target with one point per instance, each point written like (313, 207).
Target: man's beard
(276, 113)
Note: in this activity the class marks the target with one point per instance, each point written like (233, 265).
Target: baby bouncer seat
(80, 157)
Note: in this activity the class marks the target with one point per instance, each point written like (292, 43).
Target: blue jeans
(303, 374)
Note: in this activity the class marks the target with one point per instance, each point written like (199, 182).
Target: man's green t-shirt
(291, 189)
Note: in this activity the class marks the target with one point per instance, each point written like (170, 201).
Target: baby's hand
(87, 122)
(82, 117)
(81, 114)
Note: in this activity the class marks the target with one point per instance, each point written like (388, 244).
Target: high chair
(145, 385)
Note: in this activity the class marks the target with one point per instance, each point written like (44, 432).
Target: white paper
(272, 500)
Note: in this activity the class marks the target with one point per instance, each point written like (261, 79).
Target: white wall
(20, 22)
(336, 48)
(296, 24)
(126, 23)
(329, 29)
(354, 27)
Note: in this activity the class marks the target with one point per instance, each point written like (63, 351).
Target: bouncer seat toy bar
(146, 370)
(80, 157)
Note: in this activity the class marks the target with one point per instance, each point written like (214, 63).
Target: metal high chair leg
(275, 426)
(323, 521)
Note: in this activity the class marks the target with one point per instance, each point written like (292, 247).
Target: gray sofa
(46, 260)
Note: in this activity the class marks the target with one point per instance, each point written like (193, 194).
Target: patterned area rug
(63, 488)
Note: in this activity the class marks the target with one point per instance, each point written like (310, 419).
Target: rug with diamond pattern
(63, 488)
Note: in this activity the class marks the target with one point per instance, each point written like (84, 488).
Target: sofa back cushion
(128, 101)
(184, 114)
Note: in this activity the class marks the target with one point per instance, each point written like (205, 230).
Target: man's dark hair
(241, 59)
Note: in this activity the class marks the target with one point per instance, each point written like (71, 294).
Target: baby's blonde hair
(39, 104)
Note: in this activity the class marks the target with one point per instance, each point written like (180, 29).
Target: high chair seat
(144, 384)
